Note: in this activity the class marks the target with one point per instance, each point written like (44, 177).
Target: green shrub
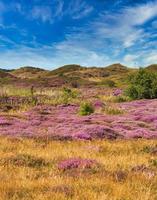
(143, 85)
(68, 95)
(86, 108)
(154, 162)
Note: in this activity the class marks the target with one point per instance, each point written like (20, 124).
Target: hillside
(70, 75)
(152, 67)
(28, 72)
(66, 69)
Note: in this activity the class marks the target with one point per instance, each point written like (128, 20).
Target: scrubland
(81, 143)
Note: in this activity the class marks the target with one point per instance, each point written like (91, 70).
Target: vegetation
(108, 83)
(125, 172)
(143, 85)
(113, 110)
(86, 108)
(64, 136)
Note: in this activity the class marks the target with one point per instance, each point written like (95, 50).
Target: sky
(52, 33)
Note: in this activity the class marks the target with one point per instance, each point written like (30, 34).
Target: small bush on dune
(86, 108)
(143, 85)
(68, 94)
(154, 162)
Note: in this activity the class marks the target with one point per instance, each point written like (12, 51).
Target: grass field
(125, 170)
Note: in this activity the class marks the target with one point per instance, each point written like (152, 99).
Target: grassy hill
(152, 67)
(66, 69)
(6, 77)
(70, 75)
(28, 72)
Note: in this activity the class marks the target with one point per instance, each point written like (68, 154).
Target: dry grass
(28, 170)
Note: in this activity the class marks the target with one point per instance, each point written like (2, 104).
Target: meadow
(120, 170)
(79, 142)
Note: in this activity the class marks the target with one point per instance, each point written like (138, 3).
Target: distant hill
(116, 68)
(152, 67)
(5, 74)
(66, 69)
(87, 75)
(87, 72)
(5, 70)
(28, 72)
(69, 75)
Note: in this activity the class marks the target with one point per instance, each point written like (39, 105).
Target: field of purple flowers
(90, 144)
(138, 119)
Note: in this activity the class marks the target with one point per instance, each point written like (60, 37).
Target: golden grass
(48, 183)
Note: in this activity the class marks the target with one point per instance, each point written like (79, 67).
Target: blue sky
(52, 33)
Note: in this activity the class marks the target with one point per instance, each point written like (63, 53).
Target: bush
(86, 108)
(68, 95)
(143, 85)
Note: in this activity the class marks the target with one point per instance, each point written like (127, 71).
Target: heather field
(80, 143)
(78, 100)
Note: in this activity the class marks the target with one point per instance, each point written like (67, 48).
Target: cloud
(150, 58)
(51, 57)
(76, 9)
(131, 60)
(79, 9)
(119, 36)
(125, 26)
(42, 13)
(48, 13)
(59, 9)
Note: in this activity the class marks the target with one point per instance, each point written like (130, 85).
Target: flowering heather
(63, 122)
(117, 92)
(4, 122)
(82, 136)
(74, 163)
(98, 104)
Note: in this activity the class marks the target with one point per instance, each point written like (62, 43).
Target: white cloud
(101, 42)
(59, 9)
(141, 58)
(131, 60)
(140, 14)
(125, 26)
(42, 13)
(78, 9)
(150, 58)
(51, 57)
